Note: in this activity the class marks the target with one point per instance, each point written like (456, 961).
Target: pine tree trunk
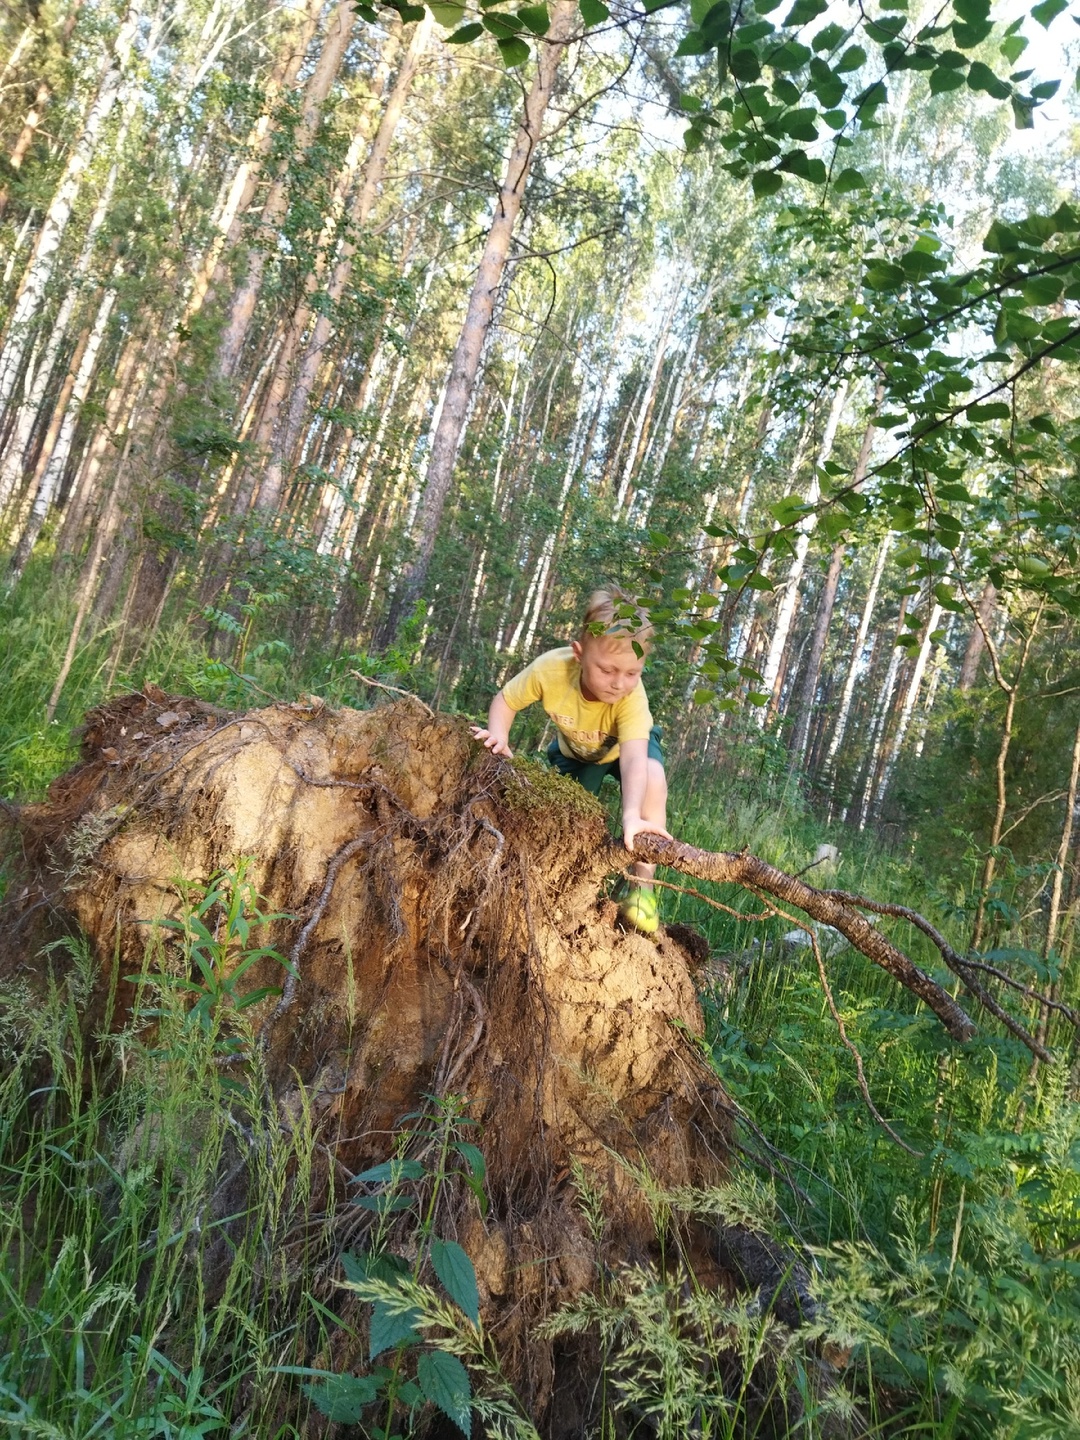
(976, 646)
(470, 346)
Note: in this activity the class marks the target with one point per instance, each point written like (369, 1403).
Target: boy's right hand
(497, 744)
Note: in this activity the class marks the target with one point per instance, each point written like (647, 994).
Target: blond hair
(606, 616)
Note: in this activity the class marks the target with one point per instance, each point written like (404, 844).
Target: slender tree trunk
(470, 346)
(27, 307)
(879, 724)
(648, 404)
(49, 483)
(241, 189)
(785, 611)
(848, 691)
(1011, 691)
(910, 697)
(318, 86)
(804, 702)
(298, 389)
(976, 646)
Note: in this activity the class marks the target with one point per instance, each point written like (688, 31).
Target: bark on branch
(726, 867)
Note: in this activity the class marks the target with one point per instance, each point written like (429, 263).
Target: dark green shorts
(593, 776)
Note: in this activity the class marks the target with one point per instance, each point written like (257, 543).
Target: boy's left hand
(634, 825)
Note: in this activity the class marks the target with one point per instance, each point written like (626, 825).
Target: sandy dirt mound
(446, 936)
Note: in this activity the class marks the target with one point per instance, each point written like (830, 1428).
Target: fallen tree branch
(728, 868)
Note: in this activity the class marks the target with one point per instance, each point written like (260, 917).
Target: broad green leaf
(969, 36)
(445, 1382)
(996, 410)
(466, 34)
(342, 1397)
(693, 139)
(389, 1329)
(594, 12)
(885, 28)
(535, 18)
(759, 582)
(1047, 11)
(367, 13)
(702, 696)
(1012, 47)
(455, 1270)
(972, 12)
(853, 58)
(503, 25)
(790, 56)
(514, 52)
(692, 44)
(446, 12)
(473, 1158)
(766, 182)
(918, 263)
(848, 180)
(1042, 290)
(390, 1171)
(881, 275)
(385, 1203)
(981, 77)
(745, 65)
(828, 38)
(803, 11)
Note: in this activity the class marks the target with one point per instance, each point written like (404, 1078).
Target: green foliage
(428, 1329)
(137, 1302)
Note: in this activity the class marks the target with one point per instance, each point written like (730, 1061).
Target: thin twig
(708, 899)
(393, 690)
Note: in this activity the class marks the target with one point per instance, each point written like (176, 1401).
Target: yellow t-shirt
(589, 730)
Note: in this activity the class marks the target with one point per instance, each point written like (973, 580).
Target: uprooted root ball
(440, 915)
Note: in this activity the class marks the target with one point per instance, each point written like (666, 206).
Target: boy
(593, 694)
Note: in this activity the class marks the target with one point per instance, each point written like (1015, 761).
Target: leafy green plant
(428, 1331)
(215, 926)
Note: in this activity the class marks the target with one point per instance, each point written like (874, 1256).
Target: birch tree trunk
(27, 308)
(318, 86)
(470, 345)
(49, 482)
(844, 710)
(648, 404)
(241, 189)
(789, 596)
(282, 433)
(910, 697)
(804, 702)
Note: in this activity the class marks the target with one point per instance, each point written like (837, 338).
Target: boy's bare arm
(497, 735)
(634, 775)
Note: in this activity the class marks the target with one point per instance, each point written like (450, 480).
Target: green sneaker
(641, 909)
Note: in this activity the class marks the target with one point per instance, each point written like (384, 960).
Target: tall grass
(153, 1276)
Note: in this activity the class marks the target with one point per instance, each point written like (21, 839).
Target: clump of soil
(447, 937)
